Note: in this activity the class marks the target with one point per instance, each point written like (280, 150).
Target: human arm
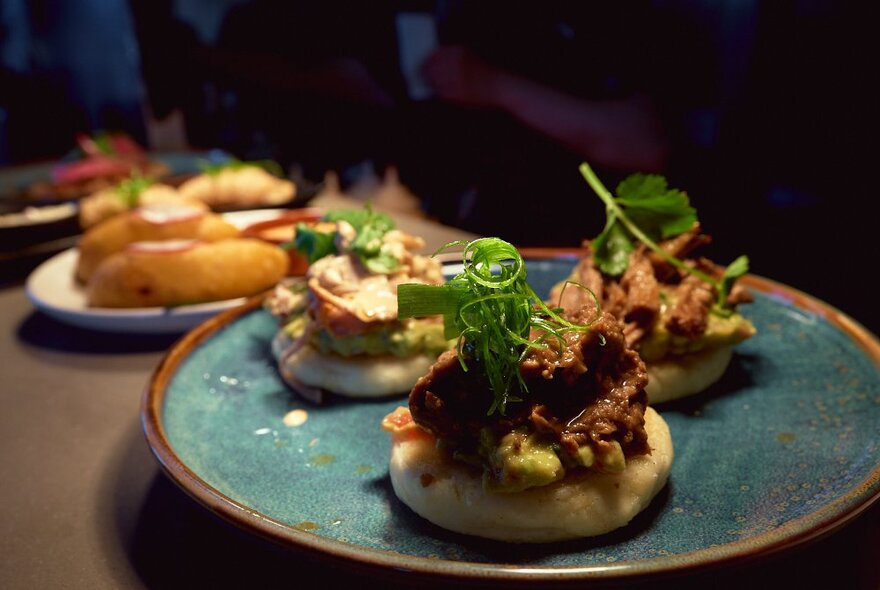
(624, 133)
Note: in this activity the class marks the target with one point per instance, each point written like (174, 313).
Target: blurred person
(308, 83)
(624, 133)
(512, 97)
(67, 67)
(521, 94)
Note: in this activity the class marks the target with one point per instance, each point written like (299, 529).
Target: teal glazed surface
(783, 448)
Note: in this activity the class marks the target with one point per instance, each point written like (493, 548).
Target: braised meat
(652, 291)
(589, 391)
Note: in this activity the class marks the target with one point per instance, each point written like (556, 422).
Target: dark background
(767, 106)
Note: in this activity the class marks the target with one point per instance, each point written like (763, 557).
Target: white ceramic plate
(52, 289)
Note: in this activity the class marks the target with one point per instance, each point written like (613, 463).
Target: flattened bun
(581, 505)
(358, 376)
(677, 377)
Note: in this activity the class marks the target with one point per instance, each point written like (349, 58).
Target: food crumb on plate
(295, 418)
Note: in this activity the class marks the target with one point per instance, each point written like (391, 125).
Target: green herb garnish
(313, 244)
(269, 166)
(102, 142)
(491, 309)
(370, 228)
(129, 191)
(647, 210)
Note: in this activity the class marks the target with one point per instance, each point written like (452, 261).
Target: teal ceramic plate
(781, 451)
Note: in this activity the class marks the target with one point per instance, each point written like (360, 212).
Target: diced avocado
(720, 331)
(523, 459)
(296, 325)
(612, 461)
(520, 460)
(411, 338)
(585, 456)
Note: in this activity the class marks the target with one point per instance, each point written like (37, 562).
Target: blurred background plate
(23, 224)
(16, 180)
(52, 289)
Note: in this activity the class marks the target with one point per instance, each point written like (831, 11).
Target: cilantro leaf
(368, 224)
(611, 250)
(660, 211)
(312, 243)
(381, 264)
(734, 270)
(647, 202)
(370, 229)
(647, 210)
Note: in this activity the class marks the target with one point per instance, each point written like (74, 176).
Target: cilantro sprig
(491, 309)
(647, 210)
(370, 227)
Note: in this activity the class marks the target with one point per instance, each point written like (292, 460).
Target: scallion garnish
(492, 310)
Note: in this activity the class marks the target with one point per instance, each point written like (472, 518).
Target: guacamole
(720, 331)
(522, 459)
(402, 339)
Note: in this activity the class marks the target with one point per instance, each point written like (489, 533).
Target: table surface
(86, 505)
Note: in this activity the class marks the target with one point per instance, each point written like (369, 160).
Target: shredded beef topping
(649, 283)
(680, 247)
(589, 392)
(690, 313)
(642, 289)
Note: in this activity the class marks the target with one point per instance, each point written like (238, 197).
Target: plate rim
(792, 534)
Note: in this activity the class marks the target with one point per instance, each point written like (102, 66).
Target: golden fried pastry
(108, 202)
(181, 272)
(153, 223)
(239, 187)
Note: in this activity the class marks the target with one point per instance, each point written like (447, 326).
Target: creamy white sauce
(163, 246)
(162, 213)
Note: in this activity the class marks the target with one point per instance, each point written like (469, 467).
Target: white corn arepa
(356, 376)
(584, 504)
(679, 376)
